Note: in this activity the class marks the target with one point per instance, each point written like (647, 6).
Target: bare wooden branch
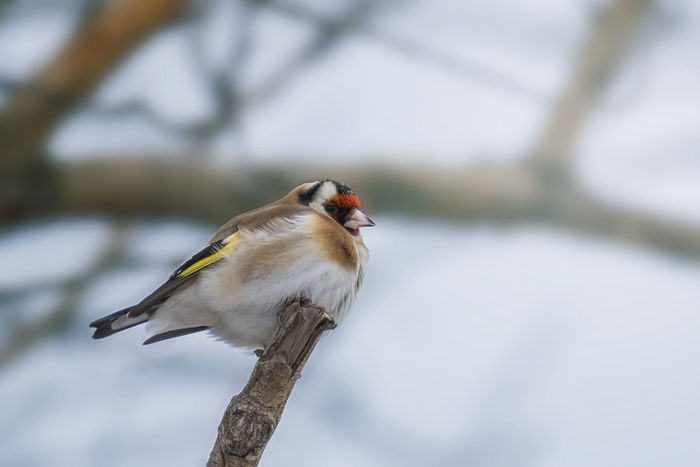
(252, 416)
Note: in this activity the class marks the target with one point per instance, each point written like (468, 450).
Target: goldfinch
(307, 244)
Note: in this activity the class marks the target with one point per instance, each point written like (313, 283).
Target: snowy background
(470, 344)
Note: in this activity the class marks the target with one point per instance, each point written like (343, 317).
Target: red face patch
(346, 201)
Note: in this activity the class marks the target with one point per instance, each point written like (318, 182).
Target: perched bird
(307, 244)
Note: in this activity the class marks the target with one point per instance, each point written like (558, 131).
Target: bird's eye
(331, 209)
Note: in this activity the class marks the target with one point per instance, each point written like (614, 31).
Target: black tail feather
(108, 325)
(104, 326)
(174, 333)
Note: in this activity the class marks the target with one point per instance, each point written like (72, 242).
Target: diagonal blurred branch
(461, 67)
(583, 212)
(598, 59)
(223, 83)
(9, 85)
(31, 114)
(223, 86)
(8, 295)
(330, 30)
(23, 338)
(220, 82)
(93, 52)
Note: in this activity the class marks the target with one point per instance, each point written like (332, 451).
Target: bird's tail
(116, 322)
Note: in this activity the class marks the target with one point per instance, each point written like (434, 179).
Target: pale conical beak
(357, 219)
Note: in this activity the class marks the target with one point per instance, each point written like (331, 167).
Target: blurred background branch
(600, 56)
(34, 110)
(64, 311)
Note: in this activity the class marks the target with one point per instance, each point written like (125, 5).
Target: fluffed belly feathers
(240, 305)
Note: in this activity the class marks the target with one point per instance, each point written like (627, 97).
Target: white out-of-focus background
(533, 168)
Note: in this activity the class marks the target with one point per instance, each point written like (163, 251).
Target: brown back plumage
(282, 208)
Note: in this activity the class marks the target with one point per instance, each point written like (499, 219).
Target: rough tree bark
(252, 416)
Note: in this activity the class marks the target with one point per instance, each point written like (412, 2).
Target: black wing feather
(197, 257)
(174, 282)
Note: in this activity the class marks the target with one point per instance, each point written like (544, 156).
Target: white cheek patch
(324, 193)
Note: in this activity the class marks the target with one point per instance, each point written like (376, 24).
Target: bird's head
(337, 201)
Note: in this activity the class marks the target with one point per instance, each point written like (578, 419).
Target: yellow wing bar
(229, 245)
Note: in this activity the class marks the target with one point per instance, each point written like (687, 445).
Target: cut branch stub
(252, 416)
